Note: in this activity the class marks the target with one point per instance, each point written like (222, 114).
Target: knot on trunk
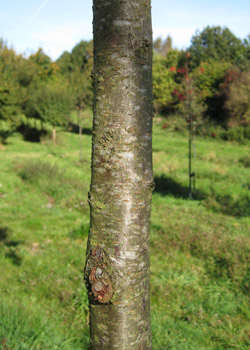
(96, 276)
(101, 287)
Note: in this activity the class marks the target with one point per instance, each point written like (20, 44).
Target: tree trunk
(54, 135)
(80, 142)
(117, 265)
(80, 133)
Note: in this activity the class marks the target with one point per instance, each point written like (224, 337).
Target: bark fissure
(122, 180)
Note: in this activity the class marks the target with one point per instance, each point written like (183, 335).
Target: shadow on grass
(10, 246)
(4, 136)
(31, 134)
(3, 233)
(166, 185)
(75, 129)
(226, 204)
(14, 257)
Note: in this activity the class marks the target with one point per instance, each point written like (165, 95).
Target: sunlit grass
(200, 279)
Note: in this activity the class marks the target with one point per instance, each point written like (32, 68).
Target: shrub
(50, 102)
(5, 131)
(53, 181)
(228, 205)
(33, 170)
(238, 101)
(245, 161)
(224, 257)
(240, 134)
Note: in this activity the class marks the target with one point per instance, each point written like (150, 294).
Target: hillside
(200, 277)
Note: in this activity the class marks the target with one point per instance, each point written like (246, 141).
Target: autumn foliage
(207, 75)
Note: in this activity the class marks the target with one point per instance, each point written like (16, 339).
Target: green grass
(200, 249)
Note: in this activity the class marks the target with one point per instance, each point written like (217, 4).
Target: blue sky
(57, 25)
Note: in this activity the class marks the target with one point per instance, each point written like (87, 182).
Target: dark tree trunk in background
(79, 119)
(117, 266)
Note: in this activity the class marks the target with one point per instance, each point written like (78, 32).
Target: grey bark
(117, 265)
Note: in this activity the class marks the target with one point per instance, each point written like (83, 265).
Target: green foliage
(247, 48)
(227, 204)
(217, 43)
(76, 67)
(245, 161)
(65, 62)
(35, 170)
(163, 47)
(5, 131)
(19, 79)
(36, 93)
(212, 53)
(11, 95)
(77, 59)
(173, 123)
(51, 102)
(211, 129)
(240, 134)
(164, 81)
(208, 78)
(81, 54)
(41, 66)
(82, 88)
(238, 101)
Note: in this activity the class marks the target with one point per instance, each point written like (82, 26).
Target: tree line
(37, 94)
(213, 74)
(211, 78)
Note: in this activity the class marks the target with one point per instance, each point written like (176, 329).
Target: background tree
(80, 77)
(163, 47)
(12, 95)
(163, 84)
(219, 44)
(164, 81)
(238, 97)
(208, 78)
(76, 67)
(117, 266)
(52, 103)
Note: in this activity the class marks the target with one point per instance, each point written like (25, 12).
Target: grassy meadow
(200, 249)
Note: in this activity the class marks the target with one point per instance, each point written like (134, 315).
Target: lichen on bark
(117, 265)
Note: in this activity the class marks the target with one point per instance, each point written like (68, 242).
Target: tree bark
(54, 135)
(117, 265)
